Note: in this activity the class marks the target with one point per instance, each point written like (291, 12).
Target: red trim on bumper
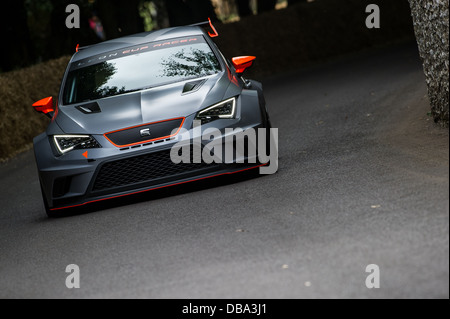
(160, 187)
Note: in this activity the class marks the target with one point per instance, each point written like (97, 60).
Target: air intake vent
(145, 170)
(61, 186)
(90, 108)
(193, 86)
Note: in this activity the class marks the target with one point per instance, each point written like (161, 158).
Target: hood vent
(194, 86)
(90, 108)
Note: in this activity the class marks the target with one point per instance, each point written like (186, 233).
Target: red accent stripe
(147, 141)
(160, 187)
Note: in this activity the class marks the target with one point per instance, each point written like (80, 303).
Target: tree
(162, 18)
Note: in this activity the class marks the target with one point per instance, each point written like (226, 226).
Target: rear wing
(213, 34)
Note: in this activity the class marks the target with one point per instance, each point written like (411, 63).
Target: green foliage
(147, 11)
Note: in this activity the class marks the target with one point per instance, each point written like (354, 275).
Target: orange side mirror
(45, 106)
(242, 63)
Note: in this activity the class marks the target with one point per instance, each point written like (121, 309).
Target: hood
(146, 106)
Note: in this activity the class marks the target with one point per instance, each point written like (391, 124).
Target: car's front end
(119, 117)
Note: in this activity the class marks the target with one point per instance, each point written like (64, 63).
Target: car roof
(137, 39)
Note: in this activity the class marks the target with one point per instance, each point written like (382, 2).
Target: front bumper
(109, 172)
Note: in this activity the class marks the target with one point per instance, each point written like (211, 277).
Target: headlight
(222, 110)
(67, 143)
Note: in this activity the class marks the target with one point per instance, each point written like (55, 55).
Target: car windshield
(138, 68)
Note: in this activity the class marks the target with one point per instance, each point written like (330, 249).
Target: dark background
(34, 30)
(37, 45)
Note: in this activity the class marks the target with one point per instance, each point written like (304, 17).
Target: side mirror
(242, 63)
(45, 106)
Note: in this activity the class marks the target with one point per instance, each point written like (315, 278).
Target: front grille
(145, 133)
(145, 169)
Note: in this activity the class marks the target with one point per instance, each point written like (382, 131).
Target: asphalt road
(363, 179)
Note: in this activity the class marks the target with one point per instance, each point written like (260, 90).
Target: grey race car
(121, 107)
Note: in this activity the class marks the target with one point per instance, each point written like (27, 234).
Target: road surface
(363, 179)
